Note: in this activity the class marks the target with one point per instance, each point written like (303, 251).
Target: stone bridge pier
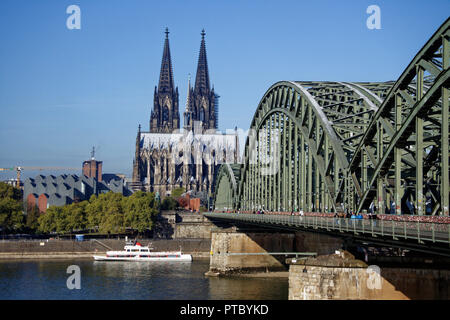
(340, 276)
(240, 250)
(333, 273)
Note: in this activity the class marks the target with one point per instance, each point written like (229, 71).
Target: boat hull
(182, 258)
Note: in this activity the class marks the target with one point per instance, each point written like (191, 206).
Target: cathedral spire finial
(203, 34)
(167, 33)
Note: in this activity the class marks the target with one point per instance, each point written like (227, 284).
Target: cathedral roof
(160, 141)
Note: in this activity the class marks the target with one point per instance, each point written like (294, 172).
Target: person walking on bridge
(336, 218)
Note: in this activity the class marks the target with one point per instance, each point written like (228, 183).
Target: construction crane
(20, 169)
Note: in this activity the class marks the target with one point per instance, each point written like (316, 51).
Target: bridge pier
(340, 276)
(316, 242)
(235, 250)
(251, 250)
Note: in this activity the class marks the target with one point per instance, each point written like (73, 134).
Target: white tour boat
(137, 252)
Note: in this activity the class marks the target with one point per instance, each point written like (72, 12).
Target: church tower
(154, 168)
(165, 116)
(201, 99)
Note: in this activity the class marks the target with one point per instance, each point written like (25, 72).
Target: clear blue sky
(63, 91)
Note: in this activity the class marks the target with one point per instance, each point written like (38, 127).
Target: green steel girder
(417, 108)
(326, 121)
(339, 145)
(226, 186)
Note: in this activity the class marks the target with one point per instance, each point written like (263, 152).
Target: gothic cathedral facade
(168, 157)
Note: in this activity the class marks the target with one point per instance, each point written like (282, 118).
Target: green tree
(31, 220)
(169, 203)
(110, 212)
(76, 216)
(11, 209)
(94, 210)
(48, 221)
(112, 218)
(140, 210)
(7, 191)
(63, 219)
(177, 192)
(62, 223)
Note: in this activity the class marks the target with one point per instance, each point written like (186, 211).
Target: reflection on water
(130, 280)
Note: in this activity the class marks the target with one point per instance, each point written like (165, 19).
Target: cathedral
(168, 157)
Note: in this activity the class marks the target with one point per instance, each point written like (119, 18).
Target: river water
(47, 279)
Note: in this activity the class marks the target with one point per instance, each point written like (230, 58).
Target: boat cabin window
(128, 250)
(135, 250)
(144, 250)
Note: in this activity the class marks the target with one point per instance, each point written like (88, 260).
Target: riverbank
(67, 249)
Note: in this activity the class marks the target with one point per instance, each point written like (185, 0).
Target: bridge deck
(424, 233)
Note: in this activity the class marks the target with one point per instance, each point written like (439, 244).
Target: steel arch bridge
(322, 146)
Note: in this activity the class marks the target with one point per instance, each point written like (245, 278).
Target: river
(47, 279)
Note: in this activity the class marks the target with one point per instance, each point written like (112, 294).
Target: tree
(177, 192)
(140, 210)
(63, 219)
(32, 218)
(94, 210)
(11, 213)
(76, 216)
(48, 221)
(8, 191)
(110, 212)
(169, 203)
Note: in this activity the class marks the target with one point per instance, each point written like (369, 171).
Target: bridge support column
(235, 251)
(340, 276)
(337, 277)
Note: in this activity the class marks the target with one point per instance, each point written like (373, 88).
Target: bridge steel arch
(322, 146)
(226, 187)
(300, 142)
(410, 162)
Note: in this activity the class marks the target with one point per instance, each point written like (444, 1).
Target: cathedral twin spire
(200, 101)
(166, 74)
(202, 78)
(165, 116)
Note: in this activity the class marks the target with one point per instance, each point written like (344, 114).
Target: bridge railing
(397, 230)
